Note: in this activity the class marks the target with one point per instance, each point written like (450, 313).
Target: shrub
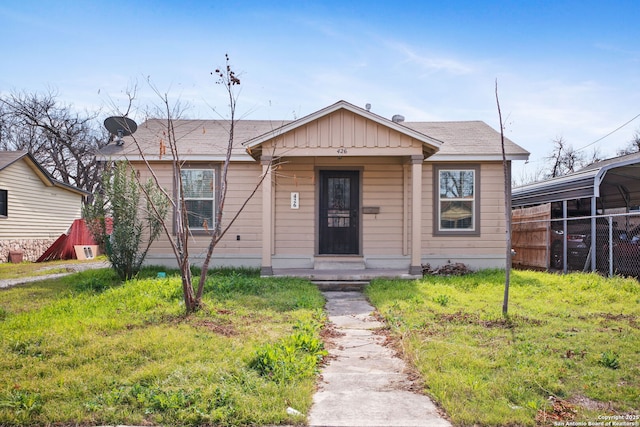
(125, 244)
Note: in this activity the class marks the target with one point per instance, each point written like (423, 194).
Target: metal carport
(609, 184)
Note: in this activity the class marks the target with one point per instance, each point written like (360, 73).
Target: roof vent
(397, 118)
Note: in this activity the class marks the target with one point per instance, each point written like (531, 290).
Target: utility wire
(610, 133)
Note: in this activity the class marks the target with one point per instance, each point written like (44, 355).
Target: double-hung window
(199, 186)
(457, 200)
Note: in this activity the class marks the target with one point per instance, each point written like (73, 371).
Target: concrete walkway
(364, 383)
(71, 268)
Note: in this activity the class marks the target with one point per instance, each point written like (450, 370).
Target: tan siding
(343, 129)
(295, 228)
(382, 183)
(359, 132)
(492, 235)
(385, 183)
(242, 179)
(35, 211)
(383, 188)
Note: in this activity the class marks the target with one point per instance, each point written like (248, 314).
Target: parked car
(626, 252)
(577, 249)
(579, 244)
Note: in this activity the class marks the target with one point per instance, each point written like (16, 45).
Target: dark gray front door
(339, 213)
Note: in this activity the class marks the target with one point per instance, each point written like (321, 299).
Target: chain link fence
(607, 243)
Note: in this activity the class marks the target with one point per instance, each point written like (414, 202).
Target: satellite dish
(120, 126)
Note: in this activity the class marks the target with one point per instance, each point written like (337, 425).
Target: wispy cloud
(431, 63)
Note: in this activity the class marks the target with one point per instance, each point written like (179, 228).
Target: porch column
(267, 212)
(416, 215)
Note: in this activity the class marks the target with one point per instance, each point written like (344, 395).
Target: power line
(610, 133)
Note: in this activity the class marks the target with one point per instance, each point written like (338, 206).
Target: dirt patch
(226, 330)
(328, 334)
(558, 410)
(462, 318)
(608, 317)
(590, 404)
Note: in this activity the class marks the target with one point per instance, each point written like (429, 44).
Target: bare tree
(507, 212)
(178, 232)
(563, 159)
(64, 142)
(632, 147)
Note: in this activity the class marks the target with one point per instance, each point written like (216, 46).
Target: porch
(343, 279)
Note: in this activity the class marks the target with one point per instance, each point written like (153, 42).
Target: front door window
(339, 212)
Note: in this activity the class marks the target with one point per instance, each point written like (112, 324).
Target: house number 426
(342, 151)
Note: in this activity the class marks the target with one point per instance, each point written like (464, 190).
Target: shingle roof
(9, 157)
(469, 138)
(207, 139)
(195, 138)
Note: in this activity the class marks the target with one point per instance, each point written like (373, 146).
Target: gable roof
(206, 140)
(433, 143)
(7, 158)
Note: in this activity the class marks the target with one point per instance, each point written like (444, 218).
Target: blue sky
(567, 69)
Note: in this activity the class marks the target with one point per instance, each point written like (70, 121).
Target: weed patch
(292, 358)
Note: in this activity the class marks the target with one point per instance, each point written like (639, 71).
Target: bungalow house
(343, 188)
(35, 208)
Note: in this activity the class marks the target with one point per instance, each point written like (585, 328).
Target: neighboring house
(346, 191)
(34, 207)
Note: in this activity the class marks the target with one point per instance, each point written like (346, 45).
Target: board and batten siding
(342, 130)
(242, 178)
(35, 210)
(490, 244)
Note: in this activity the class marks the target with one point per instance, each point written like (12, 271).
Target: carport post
(564, 236)
(593, 234)
(610, 246)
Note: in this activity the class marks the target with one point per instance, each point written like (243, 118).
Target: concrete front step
(339, 263)
(340, 285)
(343, 275)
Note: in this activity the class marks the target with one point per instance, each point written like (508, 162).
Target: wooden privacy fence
(530, 236)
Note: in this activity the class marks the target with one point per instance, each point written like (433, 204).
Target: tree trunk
(507, 213)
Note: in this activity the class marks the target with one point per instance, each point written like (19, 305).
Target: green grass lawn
(574, 338)
(87, 350)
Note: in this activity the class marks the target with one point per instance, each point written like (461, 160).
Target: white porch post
(267, 212)
(416, 215)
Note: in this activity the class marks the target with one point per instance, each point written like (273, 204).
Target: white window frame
(212, 199)
(474, 199)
